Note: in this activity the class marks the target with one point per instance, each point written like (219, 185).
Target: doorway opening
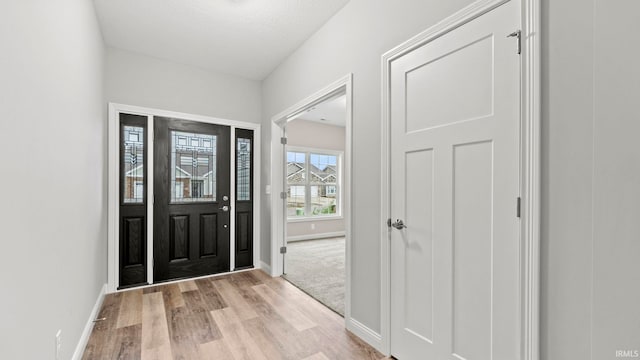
(315, 257)
(311, 195)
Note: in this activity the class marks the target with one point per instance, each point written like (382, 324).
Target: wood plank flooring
(246, 315)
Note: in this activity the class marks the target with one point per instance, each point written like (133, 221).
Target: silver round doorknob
(224, 208)
(399, 224)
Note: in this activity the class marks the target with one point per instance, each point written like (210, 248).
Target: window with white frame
(313, 183)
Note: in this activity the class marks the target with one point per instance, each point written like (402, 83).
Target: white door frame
(530, 164)
(113, 268)
(278, 218)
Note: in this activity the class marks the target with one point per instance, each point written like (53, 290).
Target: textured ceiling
(248, 38)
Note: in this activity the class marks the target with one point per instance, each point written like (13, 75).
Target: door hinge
(283, 140)
(283, 250)
(518, 206)
(517, 34)
(283, 195)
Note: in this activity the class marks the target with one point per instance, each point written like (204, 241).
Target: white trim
(278, 228)
(326, 235)
(113, 183)
(363, 332)
(531, 173)
(150, 195)
(277, 206)
(132, 109)
(113, 140)
(530, 192)
(256, 196)
(232, 200)
(88, 327)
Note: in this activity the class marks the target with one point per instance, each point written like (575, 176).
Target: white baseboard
(316, 236)
(266, 268)
(84, 337)
(363, 332)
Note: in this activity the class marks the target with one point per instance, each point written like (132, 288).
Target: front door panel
(192, 198)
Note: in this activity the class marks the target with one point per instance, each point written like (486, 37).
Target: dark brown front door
(192, 198)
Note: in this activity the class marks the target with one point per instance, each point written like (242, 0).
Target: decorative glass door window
(133, 164)
(193, 167)
(243, 169)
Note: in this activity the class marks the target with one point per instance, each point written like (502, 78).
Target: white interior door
(455, 182)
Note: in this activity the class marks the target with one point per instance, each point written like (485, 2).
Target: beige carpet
(317, 267)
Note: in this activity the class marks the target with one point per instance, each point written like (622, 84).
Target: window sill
(314, 218)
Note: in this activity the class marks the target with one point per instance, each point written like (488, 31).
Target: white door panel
(472, 243)
(454, 163)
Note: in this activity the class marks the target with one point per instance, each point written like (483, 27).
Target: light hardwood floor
(246, 315)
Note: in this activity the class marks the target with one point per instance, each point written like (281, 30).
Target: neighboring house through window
(313, 183)
(193, 167)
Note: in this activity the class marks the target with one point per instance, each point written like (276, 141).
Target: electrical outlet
(58, 343)
(313, 226)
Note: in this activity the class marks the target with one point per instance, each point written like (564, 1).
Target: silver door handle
(224, 208)
(399, 224)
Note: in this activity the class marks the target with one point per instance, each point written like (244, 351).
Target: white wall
(323, 228)
(616, 180)
(312, 134)
(135, 79)
(352, 41)
(318, 136)
(591, 232)
(567, 135)
(53, 207)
